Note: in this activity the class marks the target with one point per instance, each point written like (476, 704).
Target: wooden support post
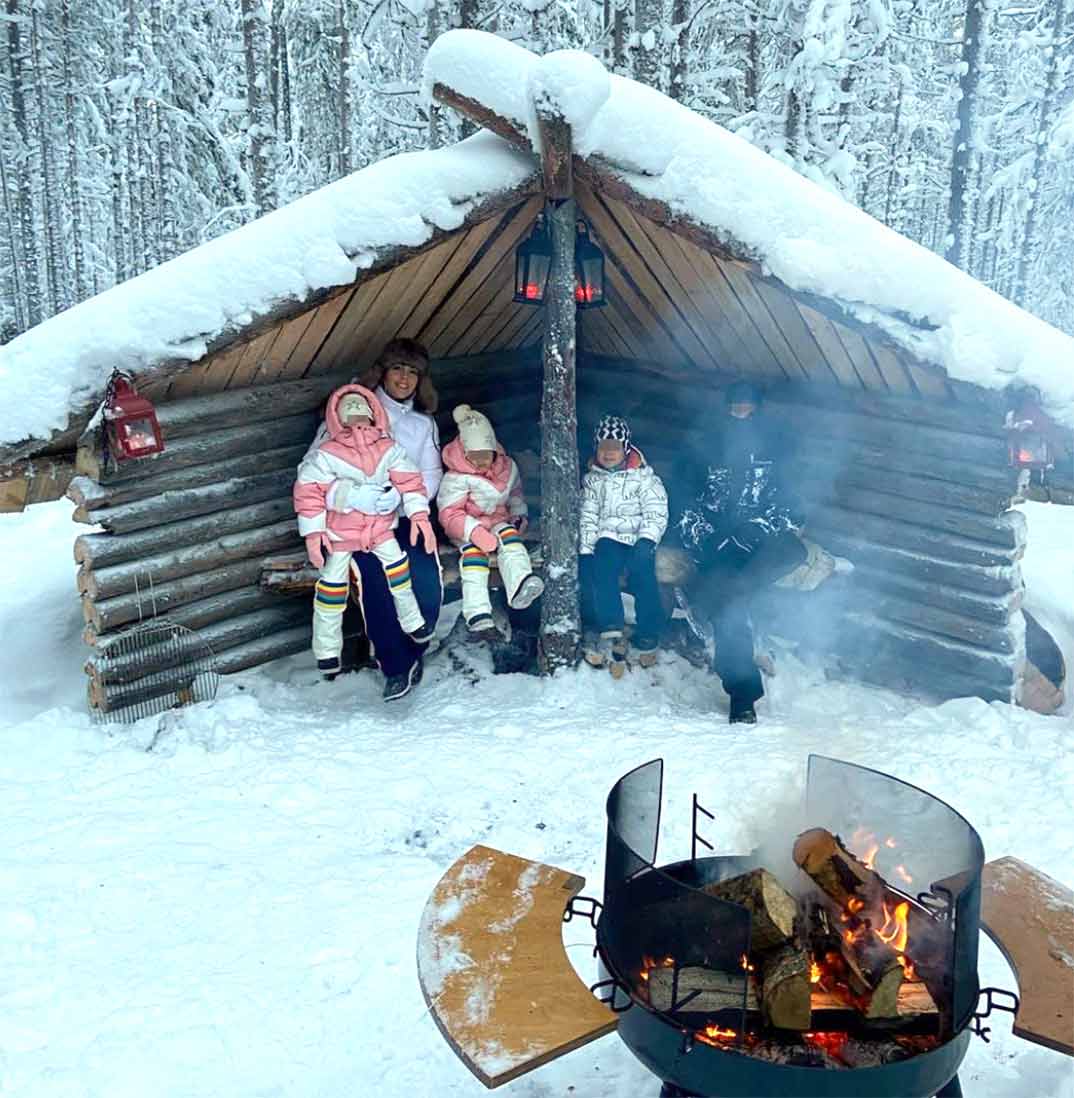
(560, 622)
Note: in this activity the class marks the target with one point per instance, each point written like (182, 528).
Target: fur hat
(351, 406)
(613, 427)
(475, 431)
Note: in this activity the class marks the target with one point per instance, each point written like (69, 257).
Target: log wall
(915, 493)
(183, 534)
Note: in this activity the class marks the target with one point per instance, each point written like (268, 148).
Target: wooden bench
(1030, 917)
(493, 968)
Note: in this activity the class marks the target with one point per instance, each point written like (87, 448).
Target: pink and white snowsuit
(493, 499)
(365, 455)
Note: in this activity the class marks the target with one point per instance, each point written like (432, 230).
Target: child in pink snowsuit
(358, 451)
(483, 511)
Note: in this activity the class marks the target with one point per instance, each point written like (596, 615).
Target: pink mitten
(317, 548)
(420, 525)
(485, 540)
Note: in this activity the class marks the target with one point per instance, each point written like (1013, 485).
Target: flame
(906, 878)
(869, 859)
(894, 931)
(745, 963)
(714, 1035)
(814, 972)
(648, 963)
(854, 905)
(890, 843)
(907, 967)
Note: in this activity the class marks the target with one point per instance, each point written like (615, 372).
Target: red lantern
(1029, 434)
(130, 421)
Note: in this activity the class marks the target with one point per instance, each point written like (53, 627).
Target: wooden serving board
(493, 968)
(1031, 918)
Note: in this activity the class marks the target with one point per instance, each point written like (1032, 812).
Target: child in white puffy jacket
(483, 511)
(624, 515)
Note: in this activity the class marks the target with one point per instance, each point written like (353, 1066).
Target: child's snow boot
(423, 634)
(591, 652)
(741, 712)
(529, 591)
(644, 650)
(329, 668)
(480, 623)
(614, 647)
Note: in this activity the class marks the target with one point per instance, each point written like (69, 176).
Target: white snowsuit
(622, 504)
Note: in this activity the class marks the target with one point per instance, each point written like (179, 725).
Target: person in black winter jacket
(741, 535)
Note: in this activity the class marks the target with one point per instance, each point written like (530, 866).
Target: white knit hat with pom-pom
(474, 429)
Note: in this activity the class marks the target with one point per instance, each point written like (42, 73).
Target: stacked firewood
(823, 967)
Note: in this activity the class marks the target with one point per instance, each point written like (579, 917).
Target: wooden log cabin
(902, 454)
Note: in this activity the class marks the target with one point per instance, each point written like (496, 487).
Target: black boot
(515, 656)
(742, 711)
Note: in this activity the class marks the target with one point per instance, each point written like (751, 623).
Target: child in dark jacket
(624, 514)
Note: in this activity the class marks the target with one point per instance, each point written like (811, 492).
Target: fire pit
(840, 962)
(839, 959)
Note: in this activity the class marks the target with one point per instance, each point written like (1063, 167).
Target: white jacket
(622, 504)
(415, 431)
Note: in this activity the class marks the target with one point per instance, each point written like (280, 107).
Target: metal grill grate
(154, 667)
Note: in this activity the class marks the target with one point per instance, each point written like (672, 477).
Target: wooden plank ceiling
(670, 302)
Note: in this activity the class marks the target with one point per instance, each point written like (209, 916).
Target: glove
(317, 548)
(485, 540)
(644, 550)
(371, 499)
(520, 523)
(421, 526)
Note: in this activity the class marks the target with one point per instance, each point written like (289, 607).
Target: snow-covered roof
(806, 236)
(177, 309)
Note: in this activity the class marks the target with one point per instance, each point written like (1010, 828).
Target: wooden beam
(560, 622)
(38, 480)
(554, 133)
(481, 116)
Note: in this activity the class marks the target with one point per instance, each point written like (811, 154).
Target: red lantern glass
(1029, 435)
(533, 261)
(131, 422)
(588, 270)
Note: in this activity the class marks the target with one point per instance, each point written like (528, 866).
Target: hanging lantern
(1029, 433)
(588, 270)
(533, 261)
(130, 421)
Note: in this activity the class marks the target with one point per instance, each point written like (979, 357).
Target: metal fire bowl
(716, 1073)
(713, 1072)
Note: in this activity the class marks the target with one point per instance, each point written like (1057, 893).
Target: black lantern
(588, 270)
(1029, 433)
(130, 421)
(533, 261)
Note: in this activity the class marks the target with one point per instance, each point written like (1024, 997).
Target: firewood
(859, 1052)
(716, 990)
(785, 987)
(917, 1012)
(848, 881)
(772, 908)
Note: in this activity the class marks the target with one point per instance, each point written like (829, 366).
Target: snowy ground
(233, 914)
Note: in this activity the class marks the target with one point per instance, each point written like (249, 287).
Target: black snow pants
(725, 591)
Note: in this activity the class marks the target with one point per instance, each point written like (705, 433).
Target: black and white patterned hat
(613, 427)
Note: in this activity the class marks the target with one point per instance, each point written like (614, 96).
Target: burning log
(772, 908)
(840, 875)
(698, 990)
(785, 987)
(917, 1012)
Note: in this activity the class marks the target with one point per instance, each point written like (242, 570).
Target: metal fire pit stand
(505, 997)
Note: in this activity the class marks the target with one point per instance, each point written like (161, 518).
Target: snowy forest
(133, 130)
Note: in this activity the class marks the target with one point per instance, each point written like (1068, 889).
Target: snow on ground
(234, 913)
